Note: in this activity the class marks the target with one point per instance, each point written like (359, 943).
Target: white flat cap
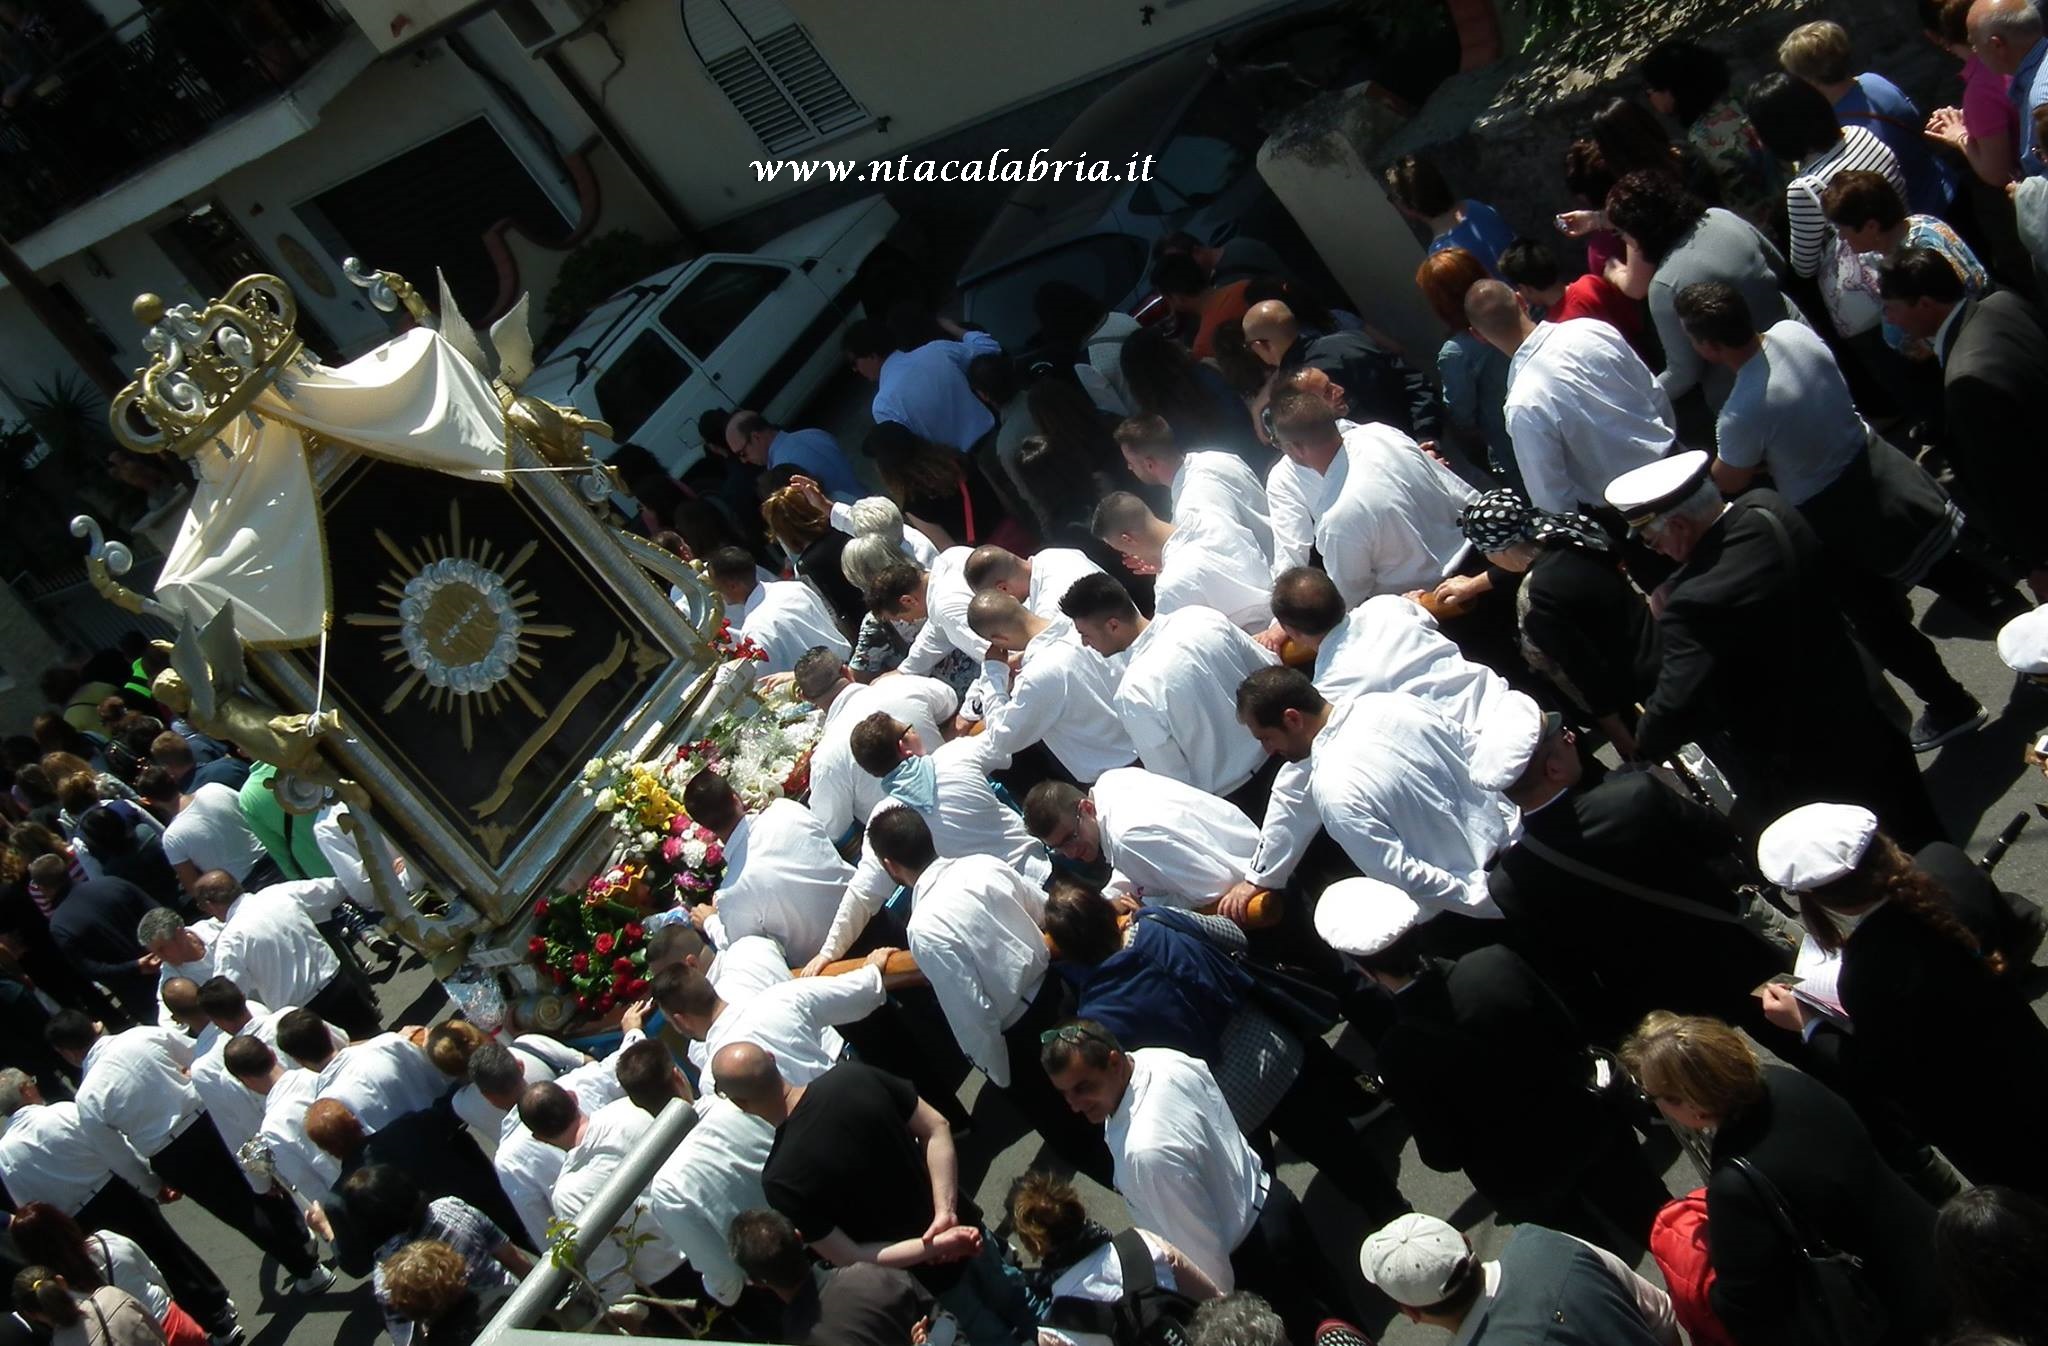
(1414, 1259)
(1508, 739)
(1642, 493)
(2023, 642)
(1814, 845)
(1363, 916)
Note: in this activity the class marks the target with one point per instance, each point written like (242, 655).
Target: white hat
(1508, 741)
(1414, 1259)
(1364, 916)
(1814, 845)
(2023, 642)
(1642, 493)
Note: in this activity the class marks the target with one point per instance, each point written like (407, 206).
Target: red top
(1594, 296)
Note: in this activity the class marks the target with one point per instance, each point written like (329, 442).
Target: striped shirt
(1812, 235)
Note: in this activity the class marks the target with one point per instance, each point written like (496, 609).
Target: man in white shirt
(269, 946)
(708, 1179)
(1390, 778)
(739, 970)
(1207, 560)
(1386, 644)
(1060, 694)
(1387, 515)
(210, 833)
(183, 950)
(283, 1152)
(975, 932)
(783, 617)
(1165, 842)
(1038, 581)
(378, 1080)
(1582, 407)
(936, 597)
(133, 1086)
(527, 1169)
(949, 786)
(1189, 1174)
(1198, 481)
(1177, 698)
(594, 1145)
(237, 1113)
(842, 795)
(49, 1153)
(783, 877)
(796, 1020)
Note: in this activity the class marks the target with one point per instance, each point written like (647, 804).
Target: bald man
(1062, 693)
(1381, 385)
(2007, 36)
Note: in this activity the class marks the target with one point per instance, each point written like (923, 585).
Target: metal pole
(543, 1285)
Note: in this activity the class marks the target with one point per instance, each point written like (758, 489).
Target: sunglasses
(1076, 1033)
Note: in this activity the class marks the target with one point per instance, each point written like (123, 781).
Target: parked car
(1202, 112)
(758, 330)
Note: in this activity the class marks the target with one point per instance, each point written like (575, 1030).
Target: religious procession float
(402, 581)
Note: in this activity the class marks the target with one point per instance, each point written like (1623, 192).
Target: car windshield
(1109, 265)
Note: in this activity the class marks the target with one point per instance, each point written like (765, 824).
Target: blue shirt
(926, 391)
(2029, 91)
(1883, 109)
(818, 456)
(1482, 232)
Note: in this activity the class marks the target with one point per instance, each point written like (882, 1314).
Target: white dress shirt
(969, 819)
(1186, 1170)
(1178, 699)
(796, 1022)
(976, 930)
(610, 1136)
(1212, 562)
(1390, 779)
(1385, 644)
(210, 833)
(527, 1168)
(1291, 492)
(1221, 484)
(945, 629)
(134, 1084)
(270, 947)
(236, 1109)
(382, 1079)
(199, 969)
(345, 858)
(786, 618)
(746, 967)
(1387, 517)
(841, 793)
(1169, 843)
(783, 879)
(1054, 571)
(298, 1162)
(1582, 408)
(1061, 695)
(541, 1060)
(50, 1153)
(706, 1181)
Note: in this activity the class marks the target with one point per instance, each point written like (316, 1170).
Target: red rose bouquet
(591, 944)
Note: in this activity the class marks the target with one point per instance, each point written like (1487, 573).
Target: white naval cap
(2023, 642)
(1508, 739)
(1363, 916)
(1642, 493)
(1814, 845)
(1414, 1260)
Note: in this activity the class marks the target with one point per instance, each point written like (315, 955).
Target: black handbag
(1834, 1305)
(1290, 996)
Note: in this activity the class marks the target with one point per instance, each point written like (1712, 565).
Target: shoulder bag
(1833, 1304)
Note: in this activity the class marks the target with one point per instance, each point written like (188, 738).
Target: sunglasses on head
(1076, 1033)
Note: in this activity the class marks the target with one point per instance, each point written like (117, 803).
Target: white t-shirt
(211, 833)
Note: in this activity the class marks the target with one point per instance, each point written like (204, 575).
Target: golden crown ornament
(209, 365)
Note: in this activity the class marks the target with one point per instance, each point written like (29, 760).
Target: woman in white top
(44, 1234)
(105, 1317)
(1078, 1262)
(451, 1044)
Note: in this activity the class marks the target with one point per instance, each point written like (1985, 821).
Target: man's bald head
(996, 616)
(181, 997)
(747, 1075)
(334, 1127)
(1270, 329)
(216, 890)
(1495, 312)
(2002, 32)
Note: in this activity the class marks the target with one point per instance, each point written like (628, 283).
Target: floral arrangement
(733, 647)
(592, 943)
(634, 796)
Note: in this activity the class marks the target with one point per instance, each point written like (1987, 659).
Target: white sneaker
(313, 1282)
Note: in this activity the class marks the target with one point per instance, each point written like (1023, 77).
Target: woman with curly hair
(1080, 1265)
(1918, 1008)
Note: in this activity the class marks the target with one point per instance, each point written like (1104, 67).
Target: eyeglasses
(1066, 844)
(1076, 1033)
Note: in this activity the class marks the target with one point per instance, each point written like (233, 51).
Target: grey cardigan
(1725, 247)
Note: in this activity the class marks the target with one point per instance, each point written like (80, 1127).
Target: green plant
(70, 415)
(600, 269)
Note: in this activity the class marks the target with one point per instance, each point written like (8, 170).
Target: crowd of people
(1190, 692)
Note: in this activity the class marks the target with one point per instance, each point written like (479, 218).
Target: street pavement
(1979, 783)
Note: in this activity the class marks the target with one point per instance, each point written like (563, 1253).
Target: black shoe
(1935, 728)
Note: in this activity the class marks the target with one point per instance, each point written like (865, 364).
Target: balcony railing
(75, 122)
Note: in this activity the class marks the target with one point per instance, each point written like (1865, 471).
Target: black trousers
(1313, 1119)
(1883, 618)
(1031, 1091)
(197, 1162)
(1282, 1261)
(343, 1003)
(1611, 1202)
(908, 1035)
(121, 1208)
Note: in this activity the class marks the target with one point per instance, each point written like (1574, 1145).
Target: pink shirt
(1987, 111)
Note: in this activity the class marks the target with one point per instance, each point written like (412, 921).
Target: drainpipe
(621, 146)
(74, 336)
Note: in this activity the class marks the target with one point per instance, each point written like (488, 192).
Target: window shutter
(766, 65)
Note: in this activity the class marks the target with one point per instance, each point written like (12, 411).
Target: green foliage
(1550, 17)
(70, 415)
(600, 269)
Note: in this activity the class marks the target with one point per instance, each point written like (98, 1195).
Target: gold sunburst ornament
(460, 625)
